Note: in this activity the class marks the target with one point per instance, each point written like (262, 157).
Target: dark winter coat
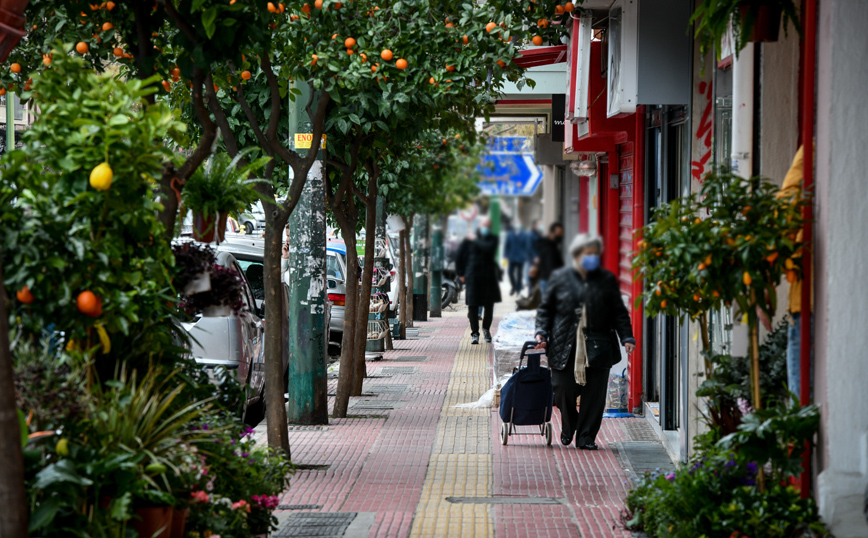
(516, 249)
(550, 257)
(557, 318)
(477, 264)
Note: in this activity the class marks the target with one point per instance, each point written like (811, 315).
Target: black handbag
(602, 349)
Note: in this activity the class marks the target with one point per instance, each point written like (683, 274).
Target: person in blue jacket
(516, 253)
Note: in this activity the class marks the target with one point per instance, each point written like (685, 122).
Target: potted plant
(221, 189)
(751, 20)
(225, 295)
(193, 263)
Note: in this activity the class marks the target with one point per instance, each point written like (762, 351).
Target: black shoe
(566, 440)
(487, 334)
(590, 446)
(474, 338)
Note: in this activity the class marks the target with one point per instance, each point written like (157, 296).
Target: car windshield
(333, 267)
(255, 273)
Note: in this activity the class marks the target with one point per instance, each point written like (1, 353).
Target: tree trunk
(402, 284)
(275, 408)
(365, 295)
(13, 499)
(345, 375)
(706, 342)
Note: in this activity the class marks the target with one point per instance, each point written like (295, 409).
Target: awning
(541, 56)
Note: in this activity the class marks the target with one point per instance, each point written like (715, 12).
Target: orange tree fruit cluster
(83, 257)
(715, 247)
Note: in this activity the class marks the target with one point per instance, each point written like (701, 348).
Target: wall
(550, 195)
(842, 267)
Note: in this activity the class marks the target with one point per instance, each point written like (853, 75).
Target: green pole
(307, 385)
(381, 263)
(494, 214)
(436, 268)
(420, 268)
(10, 121)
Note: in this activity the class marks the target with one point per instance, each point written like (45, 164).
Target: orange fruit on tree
(46, 59)
(490, 27)
(106, 26)
(715, 293)
(364, 57)
(271, 7)
(176, 72)
(349, 42)
(306, 8)
(24, 296)
(569, 7)
(663, 303)
(789, 264)
(696, 297)
(501, 64)
(542, 23)
(792, 276)
(246, 75)
(746, 278)
(373, 69)
(167, 85)
(465, 39)
(2, 91)
(314, 59)
(89, 304)
(537, 40)
(386, 54)
(338, 5)
(350, 51)
(450, 68)
(118, 52)
(318, 4)
(432, 81)
(281, 7)
(658, 291)
(772, 257)
(559, 10)
(708, 260)
(109, 5)
(701, 267)
(81, 47)
(401, 63)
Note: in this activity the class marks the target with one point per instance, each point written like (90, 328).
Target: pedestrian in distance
(516, 253)
(531, 237)
(579, 322)
(477, 268)
(549, 253)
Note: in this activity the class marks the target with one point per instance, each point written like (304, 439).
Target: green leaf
(209, 21)
(120, 507)
(60, 472)
(44, 514)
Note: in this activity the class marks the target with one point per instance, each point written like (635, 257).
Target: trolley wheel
(504, 433)
(548, 433)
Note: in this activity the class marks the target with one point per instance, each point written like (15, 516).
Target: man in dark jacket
(477, 267)
(549, 253)
(584, 287)
(516, 253)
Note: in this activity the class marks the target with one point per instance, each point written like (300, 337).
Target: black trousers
(473, 316)
(516, 276)
(585, 422)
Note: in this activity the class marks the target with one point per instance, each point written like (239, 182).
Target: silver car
(336, 271)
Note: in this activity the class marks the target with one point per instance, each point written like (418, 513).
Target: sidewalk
(406, 463)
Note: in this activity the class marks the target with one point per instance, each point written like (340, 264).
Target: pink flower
(199, 497)
(241, 504)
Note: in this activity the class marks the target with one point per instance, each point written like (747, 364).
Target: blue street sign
(508, 167)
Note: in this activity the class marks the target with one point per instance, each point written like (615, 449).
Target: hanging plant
(751, 20)
(193, 263)
(225, 294)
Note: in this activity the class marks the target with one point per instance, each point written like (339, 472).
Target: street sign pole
(10, 121)
(436, 268)
(307, 385)
(420, 268)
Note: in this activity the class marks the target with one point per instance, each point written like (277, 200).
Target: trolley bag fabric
(526, 398)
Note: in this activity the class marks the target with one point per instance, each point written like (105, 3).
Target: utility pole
(437, 260)
(494, 215)
(307, 386)
(10, 121)
(420, 268)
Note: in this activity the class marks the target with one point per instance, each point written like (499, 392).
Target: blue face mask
(483, 230)
(590, 262)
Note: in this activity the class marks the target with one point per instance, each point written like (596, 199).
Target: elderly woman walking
(580, 321)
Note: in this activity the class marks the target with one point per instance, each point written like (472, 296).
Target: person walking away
(478, 270)
(516, 256)
(579, 322)
(534, 296)
(531, 237)
(549, 252)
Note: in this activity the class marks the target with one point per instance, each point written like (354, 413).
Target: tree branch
(274, 90)
(228, 136)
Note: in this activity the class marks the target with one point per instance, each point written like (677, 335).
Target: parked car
(234, 341)
(253, 220)
(336, 271)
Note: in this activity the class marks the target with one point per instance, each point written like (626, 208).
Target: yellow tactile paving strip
(461, 464)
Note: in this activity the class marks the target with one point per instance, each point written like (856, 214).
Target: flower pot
(216, 311)
(179, 523)
(199, 284)
(766, 23)
(222, 218)
(153, 522)
(203, 227)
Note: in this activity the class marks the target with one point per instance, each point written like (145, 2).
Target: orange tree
(730, 243)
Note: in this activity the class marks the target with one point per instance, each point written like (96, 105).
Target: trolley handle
(531, 344)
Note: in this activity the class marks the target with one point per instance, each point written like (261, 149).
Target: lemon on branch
(101, 177)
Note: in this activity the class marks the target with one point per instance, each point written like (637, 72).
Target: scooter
(451, 286)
